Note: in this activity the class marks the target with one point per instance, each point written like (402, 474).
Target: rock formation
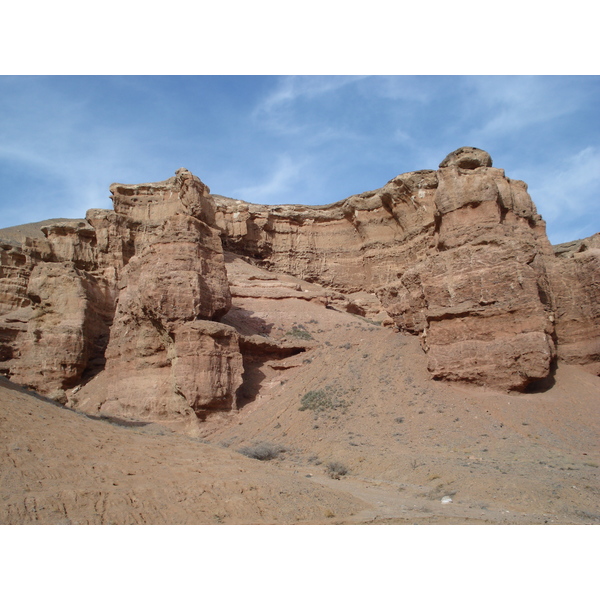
(127, 312)
(458, 256)
(575, 291)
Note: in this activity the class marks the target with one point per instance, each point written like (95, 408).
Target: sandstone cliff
(459, 256)
(128, 312)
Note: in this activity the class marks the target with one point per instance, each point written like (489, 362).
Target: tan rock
(163, 361)
(459, 256)
(575, 288)
(165, 376)
(154, 202)
(72, 242)
(65, 330)
(467, 157)
(15, 268)
(352, 246)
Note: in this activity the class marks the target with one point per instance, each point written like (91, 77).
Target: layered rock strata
(459, 256)
(166, 358)
(575, 287)
(120, 313)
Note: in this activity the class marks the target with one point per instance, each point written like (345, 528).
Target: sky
(293, 139)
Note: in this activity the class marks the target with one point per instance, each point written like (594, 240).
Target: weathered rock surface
(128, 295)
(65, 330)
(467, 157)
(120, 313)
(459, 256)
(476, 299)
(165, 359)
(351, 246)
(575, 284)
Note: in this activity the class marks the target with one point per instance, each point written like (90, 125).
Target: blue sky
(293, 139)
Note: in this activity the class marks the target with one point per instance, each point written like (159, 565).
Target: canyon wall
(120, 313)
(458, 256)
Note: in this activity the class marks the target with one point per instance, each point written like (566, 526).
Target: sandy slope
(60, 467)
(407, 440)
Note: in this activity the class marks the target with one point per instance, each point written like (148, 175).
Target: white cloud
(294, 87)
(277, 187)
(567, 196)
(517, 103)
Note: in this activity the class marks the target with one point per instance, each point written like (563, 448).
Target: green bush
(300, 333)
(319, 400)
(262, 451)
(336, 469)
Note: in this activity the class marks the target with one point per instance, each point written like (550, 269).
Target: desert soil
(405, 440)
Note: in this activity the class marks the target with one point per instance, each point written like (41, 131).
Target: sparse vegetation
(299, 332)
(336, 469)
(262, 451)
(314, 459)
(370, 321)
(321, 400)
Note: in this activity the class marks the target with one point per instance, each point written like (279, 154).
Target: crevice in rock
(256, 352)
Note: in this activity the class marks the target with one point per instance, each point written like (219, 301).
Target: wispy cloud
(278, 186)
(567, 196)
(291, 88)
(51, 136)
(504, 105)
(302, 105)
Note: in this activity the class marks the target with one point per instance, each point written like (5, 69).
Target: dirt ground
(358, 399)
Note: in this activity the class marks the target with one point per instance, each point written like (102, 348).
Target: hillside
(415, 354)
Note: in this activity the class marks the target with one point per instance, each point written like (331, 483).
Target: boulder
(467, 157)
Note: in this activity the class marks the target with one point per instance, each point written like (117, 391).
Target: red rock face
(15, 269)
(575, 289)
(152, 203)
(483, 318)
(354, 245)
(118, 314)
(128, 293)
(64, 328)
(180, 276)
(164, 358)
(459, 256)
